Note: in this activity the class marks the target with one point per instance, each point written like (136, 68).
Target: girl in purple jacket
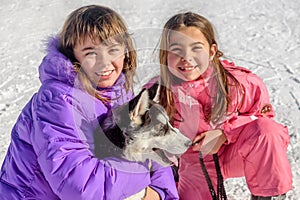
(225, 110)
(88, 69)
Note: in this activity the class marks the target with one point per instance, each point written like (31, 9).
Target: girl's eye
(197, 48)
(176, 51)
(91, 53)
(114, 50)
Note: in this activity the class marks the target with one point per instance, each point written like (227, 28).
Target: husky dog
(140, 130)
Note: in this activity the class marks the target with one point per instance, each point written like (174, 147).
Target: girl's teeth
(186, 68)
(106, 73)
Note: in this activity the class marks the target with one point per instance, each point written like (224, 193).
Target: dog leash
(221, 193)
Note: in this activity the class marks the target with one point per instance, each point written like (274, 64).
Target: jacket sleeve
(162, 181)
(255, 103)
(60, 142)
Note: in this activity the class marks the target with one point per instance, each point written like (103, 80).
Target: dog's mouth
(166, 156)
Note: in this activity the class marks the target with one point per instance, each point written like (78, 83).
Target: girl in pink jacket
(225, 110)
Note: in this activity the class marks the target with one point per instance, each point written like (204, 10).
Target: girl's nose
(187, 59)
(102, 61)
(186, 56)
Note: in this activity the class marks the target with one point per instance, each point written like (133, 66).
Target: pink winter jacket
(194, 102)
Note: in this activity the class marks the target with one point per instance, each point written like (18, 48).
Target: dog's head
(141, 128)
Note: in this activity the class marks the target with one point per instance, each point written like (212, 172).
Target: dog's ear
(141, 107)
(154, 92)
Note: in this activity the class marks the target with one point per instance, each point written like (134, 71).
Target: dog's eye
(161, 129)
(166, 128)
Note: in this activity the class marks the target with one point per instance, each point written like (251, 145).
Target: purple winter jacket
(51, 151)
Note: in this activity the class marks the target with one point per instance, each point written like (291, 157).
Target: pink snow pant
(259, 154)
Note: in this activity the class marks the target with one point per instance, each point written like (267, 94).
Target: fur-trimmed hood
(55, 65)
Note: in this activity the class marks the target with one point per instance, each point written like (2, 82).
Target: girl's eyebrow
(111, 45)
(192, 44)
(196, 43)
(87, 48)
(114, 45)
(175, 44)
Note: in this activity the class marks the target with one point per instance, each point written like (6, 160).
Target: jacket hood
(55, 65)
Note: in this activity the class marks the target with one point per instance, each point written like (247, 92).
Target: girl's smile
(105, 74)
(186, 67)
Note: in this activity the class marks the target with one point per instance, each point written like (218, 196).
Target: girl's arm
(60, 140)
(255, 104)
(162, 181)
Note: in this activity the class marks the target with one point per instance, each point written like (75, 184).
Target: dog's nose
(188, 143)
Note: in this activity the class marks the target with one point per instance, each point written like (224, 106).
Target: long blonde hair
(222, 97)
(97, 22)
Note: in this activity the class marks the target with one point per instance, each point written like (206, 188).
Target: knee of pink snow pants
(260, 155)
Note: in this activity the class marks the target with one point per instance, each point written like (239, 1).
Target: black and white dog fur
(140, 130)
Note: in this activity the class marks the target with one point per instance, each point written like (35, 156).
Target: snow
(263, 36)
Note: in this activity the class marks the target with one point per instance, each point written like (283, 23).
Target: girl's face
(102, 63)
(189, 53)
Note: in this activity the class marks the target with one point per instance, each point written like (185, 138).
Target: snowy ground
(261, 35)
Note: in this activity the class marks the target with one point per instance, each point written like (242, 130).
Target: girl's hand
(151, 194)
(209, 142)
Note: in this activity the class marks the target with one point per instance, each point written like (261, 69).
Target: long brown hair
(97, 22)
(221, 97)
